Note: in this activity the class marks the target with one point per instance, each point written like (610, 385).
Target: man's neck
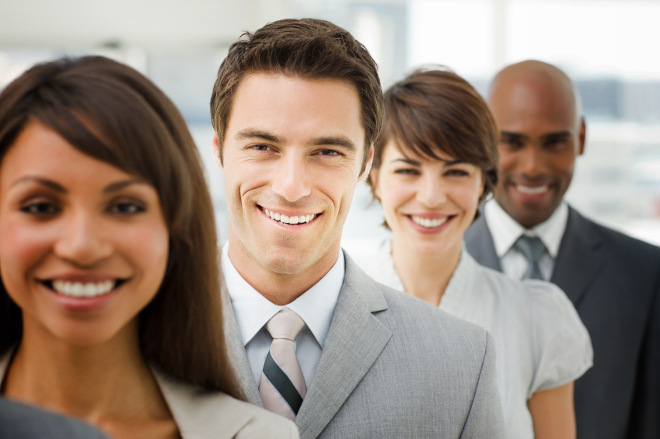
(281, 288)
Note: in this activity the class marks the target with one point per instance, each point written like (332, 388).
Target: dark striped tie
(282, 385)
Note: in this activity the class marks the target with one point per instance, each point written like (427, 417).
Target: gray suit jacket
(392, 366)
(21, 421)
(614, 282)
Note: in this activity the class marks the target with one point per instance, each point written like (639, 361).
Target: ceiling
(86, 24)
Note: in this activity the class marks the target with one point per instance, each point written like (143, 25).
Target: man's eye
(40, 208)
(512, 142)
(554, 143)
(260, 147)
(330, 152)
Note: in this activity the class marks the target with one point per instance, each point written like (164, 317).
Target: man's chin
(286, 265)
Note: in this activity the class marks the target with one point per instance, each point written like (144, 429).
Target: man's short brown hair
(305, 48)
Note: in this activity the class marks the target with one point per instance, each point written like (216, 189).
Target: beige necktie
(282, 385)
(532, 248)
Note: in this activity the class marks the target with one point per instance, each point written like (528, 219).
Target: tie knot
(530, 246)
(285, 324)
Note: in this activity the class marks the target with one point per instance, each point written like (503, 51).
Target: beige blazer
(210, 415)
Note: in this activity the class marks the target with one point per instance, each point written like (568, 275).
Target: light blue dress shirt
(316, 307)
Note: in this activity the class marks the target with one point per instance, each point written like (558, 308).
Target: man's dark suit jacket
(614, 282)
(20, 421)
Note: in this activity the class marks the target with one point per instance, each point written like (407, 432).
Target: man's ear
(582, 136)
(216, 151)
(367, 166)
(373, 181)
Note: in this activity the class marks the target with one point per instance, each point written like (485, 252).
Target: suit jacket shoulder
(201, 414)
(21, 421)
(479, 243)
(395, 366)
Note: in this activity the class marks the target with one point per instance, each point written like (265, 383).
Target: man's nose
(531, 161)
(293, 179)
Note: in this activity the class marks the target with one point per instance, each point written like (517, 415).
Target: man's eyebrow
(555, 135)
(253, 133)
(334, 141)
(512, 134)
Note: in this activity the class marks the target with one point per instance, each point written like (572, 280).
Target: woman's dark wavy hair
(434, 112)
(113, 113)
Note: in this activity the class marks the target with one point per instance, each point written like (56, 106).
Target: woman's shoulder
(210, 414)
(532, 292)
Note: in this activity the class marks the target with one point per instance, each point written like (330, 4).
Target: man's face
(540, 137)
(292, 155)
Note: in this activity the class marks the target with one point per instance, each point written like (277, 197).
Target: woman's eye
(457, 173)
(40, 208)
(406, 171)
(127, 208)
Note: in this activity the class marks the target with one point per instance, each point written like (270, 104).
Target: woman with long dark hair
(110, 296)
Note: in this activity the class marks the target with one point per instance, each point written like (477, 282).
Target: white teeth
(80, 289)
(532, 190)
(428, 222)
(291, 220)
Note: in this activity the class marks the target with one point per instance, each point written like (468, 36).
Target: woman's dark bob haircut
(434, 112)
(114, 114)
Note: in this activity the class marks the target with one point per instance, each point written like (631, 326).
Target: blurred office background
(607, 46)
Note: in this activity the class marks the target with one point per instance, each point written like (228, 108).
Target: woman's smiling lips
(82, 287)
(429, 223)
(80, 295)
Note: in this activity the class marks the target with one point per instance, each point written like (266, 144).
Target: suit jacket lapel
(578, 261)
(237, 352)
(479, 242)
(355, 340)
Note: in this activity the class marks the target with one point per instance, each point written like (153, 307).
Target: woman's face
(428, 204)
(83, 245)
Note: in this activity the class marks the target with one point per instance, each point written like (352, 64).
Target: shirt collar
(508, 230)
(315, 306)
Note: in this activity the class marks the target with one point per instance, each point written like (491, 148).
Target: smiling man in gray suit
(612, 279)
(296, 108)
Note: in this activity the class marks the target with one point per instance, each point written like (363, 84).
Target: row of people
(115, 310)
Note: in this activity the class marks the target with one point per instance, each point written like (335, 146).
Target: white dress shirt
(506, 231)
(316, 307)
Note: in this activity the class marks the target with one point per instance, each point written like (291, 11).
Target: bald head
(537, 110)
(536, 80)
